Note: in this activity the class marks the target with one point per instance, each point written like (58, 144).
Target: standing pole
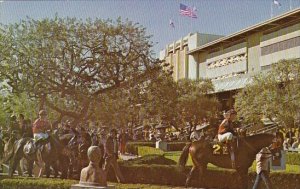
(291, 5)
(272, 9)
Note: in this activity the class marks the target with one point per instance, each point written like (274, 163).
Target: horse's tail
(184, 155)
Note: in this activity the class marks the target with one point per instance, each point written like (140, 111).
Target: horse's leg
(55, 168)
(47, 169)
(63, 164)
(70, 169)
(202, 172)
(20, 172)
(30, 167)
(14, 162)
(189, 176)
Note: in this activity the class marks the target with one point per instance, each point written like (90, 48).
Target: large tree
(68, 64)
(274, 95)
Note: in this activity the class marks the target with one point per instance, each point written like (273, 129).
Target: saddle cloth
(29, 147)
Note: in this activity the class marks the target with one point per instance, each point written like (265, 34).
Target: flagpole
(290, 4)
(272, 9)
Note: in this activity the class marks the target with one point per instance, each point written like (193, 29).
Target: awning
(230, 84)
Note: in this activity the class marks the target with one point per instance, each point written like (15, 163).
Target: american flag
(187, 11)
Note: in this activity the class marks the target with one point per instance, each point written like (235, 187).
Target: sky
(222, 17)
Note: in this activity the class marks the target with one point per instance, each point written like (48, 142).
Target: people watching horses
(263, 168)
(14, 126)
(226, 133)
(111, 154)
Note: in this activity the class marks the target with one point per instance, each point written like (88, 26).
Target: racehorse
(48, 155)
(201, 153)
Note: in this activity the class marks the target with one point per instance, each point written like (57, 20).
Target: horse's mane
(258, 137)
(258, 141)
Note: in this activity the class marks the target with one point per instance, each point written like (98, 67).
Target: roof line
(290, 13)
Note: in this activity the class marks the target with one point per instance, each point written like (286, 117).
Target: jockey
(226, 133)
(40, 126)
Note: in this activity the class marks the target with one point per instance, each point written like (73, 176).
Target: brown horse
(202, 153)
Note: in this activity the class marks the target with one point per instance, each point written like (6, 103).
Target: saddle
(29, 147)
(33, 146)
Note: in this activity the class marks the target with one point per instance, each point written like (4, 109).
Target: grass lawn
(175, 156)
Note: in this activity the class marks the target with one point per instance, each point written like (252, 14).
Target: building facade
(231, 61)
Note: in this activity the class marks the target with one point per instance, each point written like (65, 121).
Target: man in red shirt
(40, 126)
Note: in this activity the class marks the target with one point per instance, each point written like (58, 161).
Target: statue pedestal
(81, 186)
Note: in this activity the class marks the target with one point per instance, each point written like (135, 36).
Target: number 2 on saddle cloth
(221, 148)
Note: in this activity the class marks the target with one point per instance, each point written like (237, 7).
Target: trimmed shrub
(146, 150)
(150, 160)
(160, 175)
(293, 158)
(171, 175)
(176, 146)
(132, 147)
(35, 183)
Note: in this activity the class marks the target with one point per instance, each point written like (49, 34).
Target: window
(280, 46)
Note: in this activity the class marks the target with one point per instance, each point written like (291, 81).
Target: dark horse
(48, 155)
(202, 153)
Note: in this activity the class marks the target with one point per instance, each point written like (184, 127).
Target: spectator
(111, 154)
(123, 139)
(290, 135)
(195, 135)
(263, 168)
(296, 144)
(152, 138)
(286, 144)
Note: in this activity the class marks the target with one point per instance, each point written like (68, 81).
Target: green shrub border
(159, 175)
(293, 158)
(132, 147)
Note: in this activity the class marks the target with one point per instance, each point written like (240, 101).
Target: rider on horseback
(226, 133)
(40, 126)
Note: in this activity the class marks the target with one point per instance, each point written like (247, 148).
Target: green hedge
(132, 147)
(35, 183)
(293, 158)
(171, 175)
(160, 175)
(176, 146)
(150, 160)
(146, 150)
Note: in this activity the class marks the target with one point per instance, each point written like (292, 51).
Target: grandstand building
(231, 61)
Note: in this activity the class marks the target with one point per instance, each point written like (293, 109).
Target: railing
(296, 150)
(266, 129)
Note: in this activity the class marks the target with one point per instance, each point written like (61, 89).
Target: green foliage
(132, 147)
(178, 103)
(68, 64)
(274, 95)
(3, 114)
(293, 158)
(158, 159)
(145, 150)
(157, 175)
(35, 183)
(175, 146)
